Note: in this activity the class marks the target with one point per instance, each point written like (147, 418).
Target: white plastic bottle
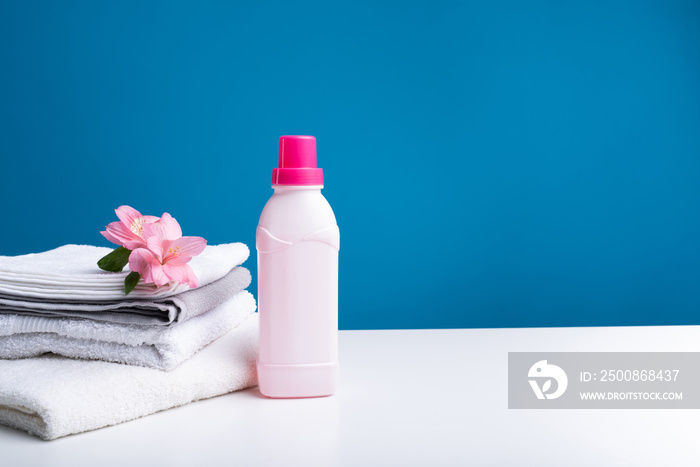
(298, 242)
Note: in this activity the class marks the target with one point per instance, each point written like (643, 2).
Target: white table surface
(412, 397)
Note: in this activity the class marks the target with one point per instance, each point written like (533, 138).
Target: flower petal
(127, 215)
(119, 232)
(155, 245)
(167, 228)
(159, 276)
(111, 238)
(171, 228)
(181, 273)
(134, 244)
(183, 249)
(143, 261)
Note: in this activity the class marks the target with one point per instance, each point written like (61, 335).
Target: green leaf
(115, 261)
(131, 281)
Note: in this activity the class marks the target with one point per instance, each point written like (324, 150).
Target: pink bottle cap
(297, 162)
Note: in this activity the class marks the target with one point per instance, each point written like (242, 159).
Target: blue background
(500, 163)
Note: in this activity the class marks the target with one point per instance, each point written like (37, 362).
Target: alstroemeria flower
(128, 231)
(166, 254)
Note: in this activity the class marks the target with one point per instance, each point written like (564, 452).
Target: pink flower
(128, 231)
(166, 253)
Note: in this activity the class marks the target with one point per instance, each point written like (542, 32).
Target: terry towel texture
(67, 282)
(70, 272)
(164, 311)
(53, 396)
(157, 347)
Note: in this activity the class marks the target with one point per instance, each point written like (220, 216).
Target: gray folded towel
(160, 347)
(143, 311)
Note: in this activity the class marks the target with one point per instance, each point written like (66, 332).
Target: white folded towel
(52, 396)
(161, 347)
(70, 272)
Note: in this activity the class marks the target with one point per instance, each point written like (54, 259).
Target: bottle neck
(290, 188)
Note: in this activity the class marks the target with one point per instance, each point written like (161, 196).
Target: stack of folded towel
(77, 354)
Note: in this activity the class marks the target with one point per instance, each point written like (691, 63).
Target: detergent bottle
(298, 242)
